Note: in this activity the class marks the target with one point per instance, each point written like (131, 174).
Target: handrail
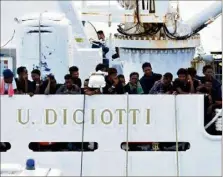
(119, 16)
(218, 124)
(214, 119)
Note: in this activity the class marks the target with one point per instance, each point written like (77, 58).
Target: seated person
(113, 85)
(216, 99)
(8, 84)
(211, 102)
(163, 86)
(24, 85)
(192, 72)
(121, 78)
(37, 82)
(50, 86)
(101, 67)
(149, 78)
(134, 86)
(208, 75)
(74, 72)
(184, 83)
(69, 87)
(89, 91)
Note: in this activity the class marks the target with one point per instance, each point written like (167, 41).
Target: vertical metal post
(176, 134)
(82, 139)
(40, 42)
(127, 137)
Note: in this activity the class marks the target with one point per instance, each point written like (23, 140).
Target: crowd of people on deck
(187, 82)
(150, 83)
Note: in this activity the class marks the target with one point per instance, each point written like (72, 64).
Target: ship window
(37, 31)
(40, 26)
(155, 146)
(63, 146)
(4, 146)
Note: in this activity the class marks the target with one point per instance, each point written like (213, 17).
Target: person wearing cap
(8, 84)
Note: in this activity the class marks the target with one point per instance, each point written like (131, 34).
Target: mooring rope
(82, 140)
(127, 136)
(176, 133)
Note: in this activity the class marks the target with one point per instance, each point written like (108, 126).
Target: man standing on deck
(208, 75)
(74, 72)
(134, 86)
(113, 85)
(37, 82)
(24, 85)
(69, 87)
(184, 83)
(149, 78)
(163, 86)
(102, 44)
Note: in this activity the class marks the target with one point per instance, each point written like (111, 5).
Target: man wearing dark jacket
(209, 75)
(113, 85)
(149, 78)
(74, 72)
(134, 86)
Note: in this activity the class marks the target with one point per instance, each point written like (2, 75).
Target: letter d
(47, 111)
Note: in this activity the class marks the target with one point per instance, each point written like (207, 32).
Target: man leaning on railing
(8, 84)
(68, 87)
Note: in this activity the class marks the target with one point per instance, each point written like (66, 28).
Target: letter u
(19, 116)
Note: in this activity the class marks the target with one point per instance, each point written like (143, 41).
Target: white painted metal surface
(104, 125)
(155, 43)
(55, 39)
(86, 61)
(106, 13)
(18, 170)
(199, 139)
(119, 16)
(71, 12)
(10, 169)
(209, 14)
(161, 129)
(162, 61)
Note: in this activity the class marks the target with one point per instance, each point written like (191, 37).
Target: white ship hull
(157, 119)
